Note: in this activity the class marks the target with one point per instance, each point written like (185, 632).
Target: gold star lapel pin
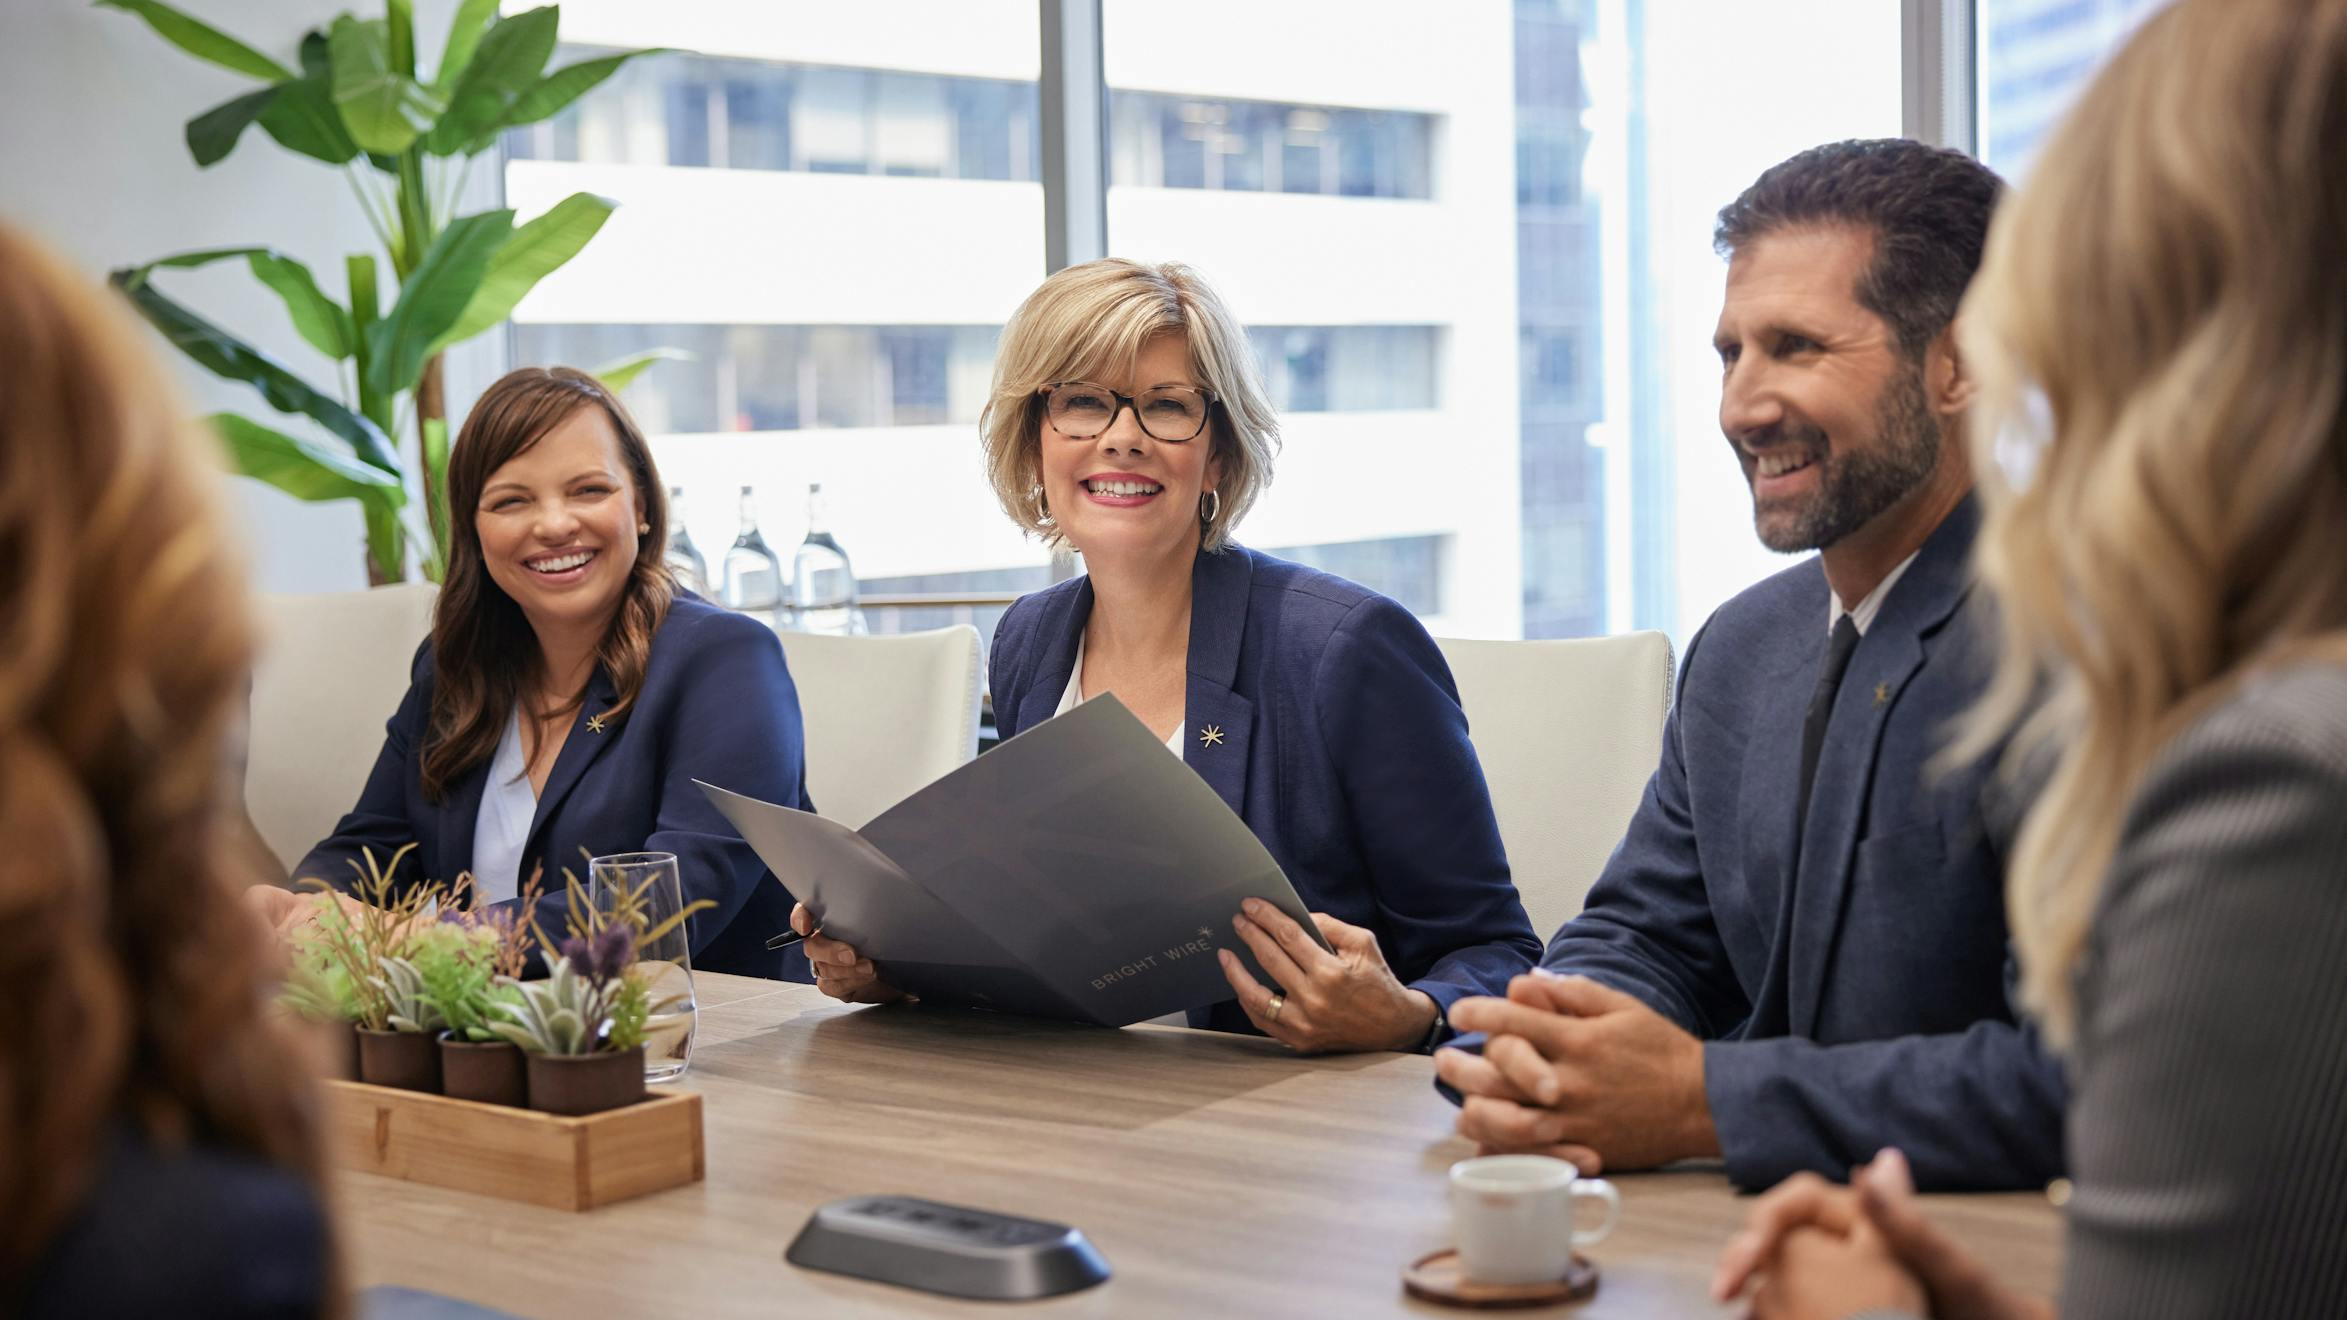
(1882, 694)
(594, 724)
(1210, 736)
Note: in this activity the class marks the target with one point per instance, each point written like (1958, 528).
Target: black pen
(787, 939)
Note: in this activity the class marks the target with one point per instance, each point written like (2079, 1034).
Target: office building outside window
(1480, 286)
(2035, 57)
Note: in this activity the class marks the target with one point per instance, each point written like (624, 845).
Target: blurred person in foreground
(158, 1142)
(2161, 334)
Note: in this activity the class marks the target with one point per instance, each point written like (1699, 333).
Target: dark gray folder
(1077, 871)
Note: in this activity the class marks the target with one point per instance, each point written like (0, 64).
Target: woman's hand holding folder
(840, 971)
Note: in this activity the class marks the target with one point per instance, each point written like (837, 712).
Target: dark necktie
(1821, 705)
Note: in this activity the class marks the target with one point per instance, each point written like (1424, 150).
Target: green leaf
(213, 134)
(431, 299)
(384, 109)
(433, 441)
(619, 374)
(303, 118)
(202, 40)
(511, 56)
(301, 467)
(550, 94)
(230, 358)
(535, 251)
(464, 37)
(400, 18)
(319, 318)
(386, 541)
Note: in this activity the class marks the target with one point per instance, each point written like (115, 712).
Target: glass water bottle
(822, 586)
(682, 556)
(753, 574)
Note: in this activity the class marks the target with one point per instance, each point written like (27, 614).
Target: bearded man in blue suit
(1797, 955)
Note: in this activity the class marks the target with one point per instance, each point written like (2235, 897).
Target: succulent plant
(456, 962)
(402, 988)
(564, 1014)
(317, 986)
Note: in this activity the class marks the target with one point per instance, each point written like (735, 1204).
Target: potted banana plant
(353, 96)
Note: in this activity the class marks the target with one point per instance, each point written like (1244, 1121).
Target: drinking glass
(644, 889)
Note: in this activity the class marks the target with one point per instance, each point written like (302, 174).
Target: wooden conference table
(1217, 1174)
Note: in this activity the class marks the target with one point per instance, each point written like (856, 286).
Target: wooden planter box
(517, 1154)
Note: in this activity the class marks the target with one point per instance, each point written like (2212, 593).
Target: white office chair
(1569, 732)
(332, 670)
(885, 716)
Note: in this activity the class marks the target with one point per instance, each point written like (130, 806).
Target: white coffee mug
(1514, 1216)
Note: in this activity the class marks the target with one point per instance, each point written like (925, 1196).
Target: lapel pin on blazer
(1210, 736)
(595, 722)
(1882, 694)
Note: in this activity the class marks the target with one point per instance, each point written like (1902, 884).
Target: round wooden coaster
(1436, 1278)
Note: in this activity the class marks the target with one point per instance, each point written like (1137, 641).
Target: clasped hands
(1814, 1251)
(1326, 1001)
(1581, 1072)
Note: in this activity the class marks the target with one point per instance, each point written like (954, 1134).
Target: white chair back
(332, 670)
(885, 716)
(1569, 732)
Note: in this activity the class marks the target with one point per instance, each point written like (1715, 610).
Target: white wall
(91, 148)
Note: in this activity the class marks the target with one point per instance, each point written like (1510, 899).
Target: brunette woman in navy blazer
(570, 693)
(1127, 421)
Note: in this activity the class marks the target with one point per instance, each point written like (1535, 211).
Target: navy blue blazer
(196, 1232)
(717, 704)
(1342, 746)
(1849, 974)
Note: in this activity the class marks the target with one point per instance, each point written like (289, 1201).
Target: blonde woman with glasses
(1127, 423)
(2161, 335)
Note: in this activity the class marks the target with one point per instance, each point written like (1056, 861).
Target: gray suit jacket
(2208, 1132)
(1849, 972)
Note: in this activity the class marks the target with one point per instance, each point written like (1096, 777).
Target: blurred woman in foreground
(157, 1145)
(2170, 563)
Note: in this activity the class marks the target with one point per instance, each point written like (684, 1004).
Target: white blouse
(508, 805)
(1074, 697)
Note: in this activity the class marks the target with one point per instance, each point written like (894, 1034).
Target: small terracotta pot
(409, 1060)
(585, 1083)
(488, 1071)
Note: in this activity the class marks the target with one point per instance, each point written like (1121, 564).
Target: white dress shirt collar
(1863, 615)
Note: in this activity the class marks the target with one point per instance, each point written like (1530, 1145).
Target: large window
(1259, 146)
(2035, 56)
(1472, 245)
(768, 115)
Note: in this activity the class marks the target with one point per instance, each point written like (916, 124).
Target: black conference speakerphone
(948, 1249)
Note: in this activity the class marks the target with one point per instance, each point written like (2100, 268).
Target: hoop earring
(1208, 514)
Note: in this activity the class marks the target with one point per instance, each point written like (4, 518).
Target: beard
(1852, 487)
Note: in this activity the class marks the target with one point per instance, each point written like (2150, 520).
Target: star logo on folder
(594, 724)
(1210, 736)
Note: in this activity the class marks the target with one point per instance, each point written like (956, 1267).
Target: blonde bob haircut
(1089, 322)
(2171, 284)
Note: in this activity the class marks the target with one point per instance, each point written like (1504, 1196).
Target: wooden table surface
(1216, 1173)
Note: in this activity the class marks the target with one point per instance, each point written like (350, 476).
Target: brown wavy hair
(484, 654)
(2159, 330)
(136, 980)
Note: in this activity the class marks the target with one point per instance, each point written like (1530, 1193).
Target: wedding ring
(1278, 1002)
